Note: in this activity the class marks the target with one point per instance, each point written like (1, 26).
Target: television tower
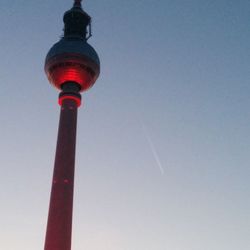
(72, 66)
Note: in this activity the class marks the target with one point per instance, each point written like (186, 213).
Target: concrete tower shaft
(59, 226)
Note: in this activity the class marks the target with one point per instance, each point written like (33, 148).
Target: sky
(162, 160)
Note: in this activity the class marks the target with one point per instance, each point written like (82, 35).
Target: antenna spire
(77, 3)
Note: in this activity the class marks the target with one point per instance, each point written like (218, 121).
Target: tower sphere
(72, 59)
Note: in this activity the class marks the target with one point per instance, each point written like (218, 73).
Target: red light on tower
(72, 66)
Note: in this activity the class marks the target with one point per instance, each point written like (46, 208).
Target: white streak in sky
(152, 147)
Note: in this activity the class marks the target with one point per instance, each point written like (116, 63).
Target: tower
(72, 66)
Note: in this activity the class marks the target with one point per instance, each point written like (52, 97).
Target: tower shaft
(59, 225)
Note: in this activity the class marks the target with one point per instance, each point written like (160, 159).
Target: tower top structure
(77, 22)
(72, 59)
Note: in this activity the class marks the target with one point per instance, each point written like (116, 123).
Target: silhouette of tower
(72, 66)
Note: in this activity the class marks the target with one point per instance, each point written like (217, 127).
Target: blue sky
(173, 94)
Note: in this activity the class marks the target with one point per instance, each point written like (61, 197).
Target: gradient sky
(163, 137)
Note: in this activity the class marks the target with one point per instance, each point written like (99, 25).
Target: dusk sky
(163, 140)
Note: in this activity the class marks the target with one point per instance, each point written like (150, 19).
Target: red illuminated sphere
(72, 60)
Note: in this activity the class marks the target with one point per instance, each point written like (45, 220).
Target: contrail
(155, 154)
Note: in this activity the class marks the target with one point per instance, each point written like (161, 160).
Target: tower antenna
(77, 3)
